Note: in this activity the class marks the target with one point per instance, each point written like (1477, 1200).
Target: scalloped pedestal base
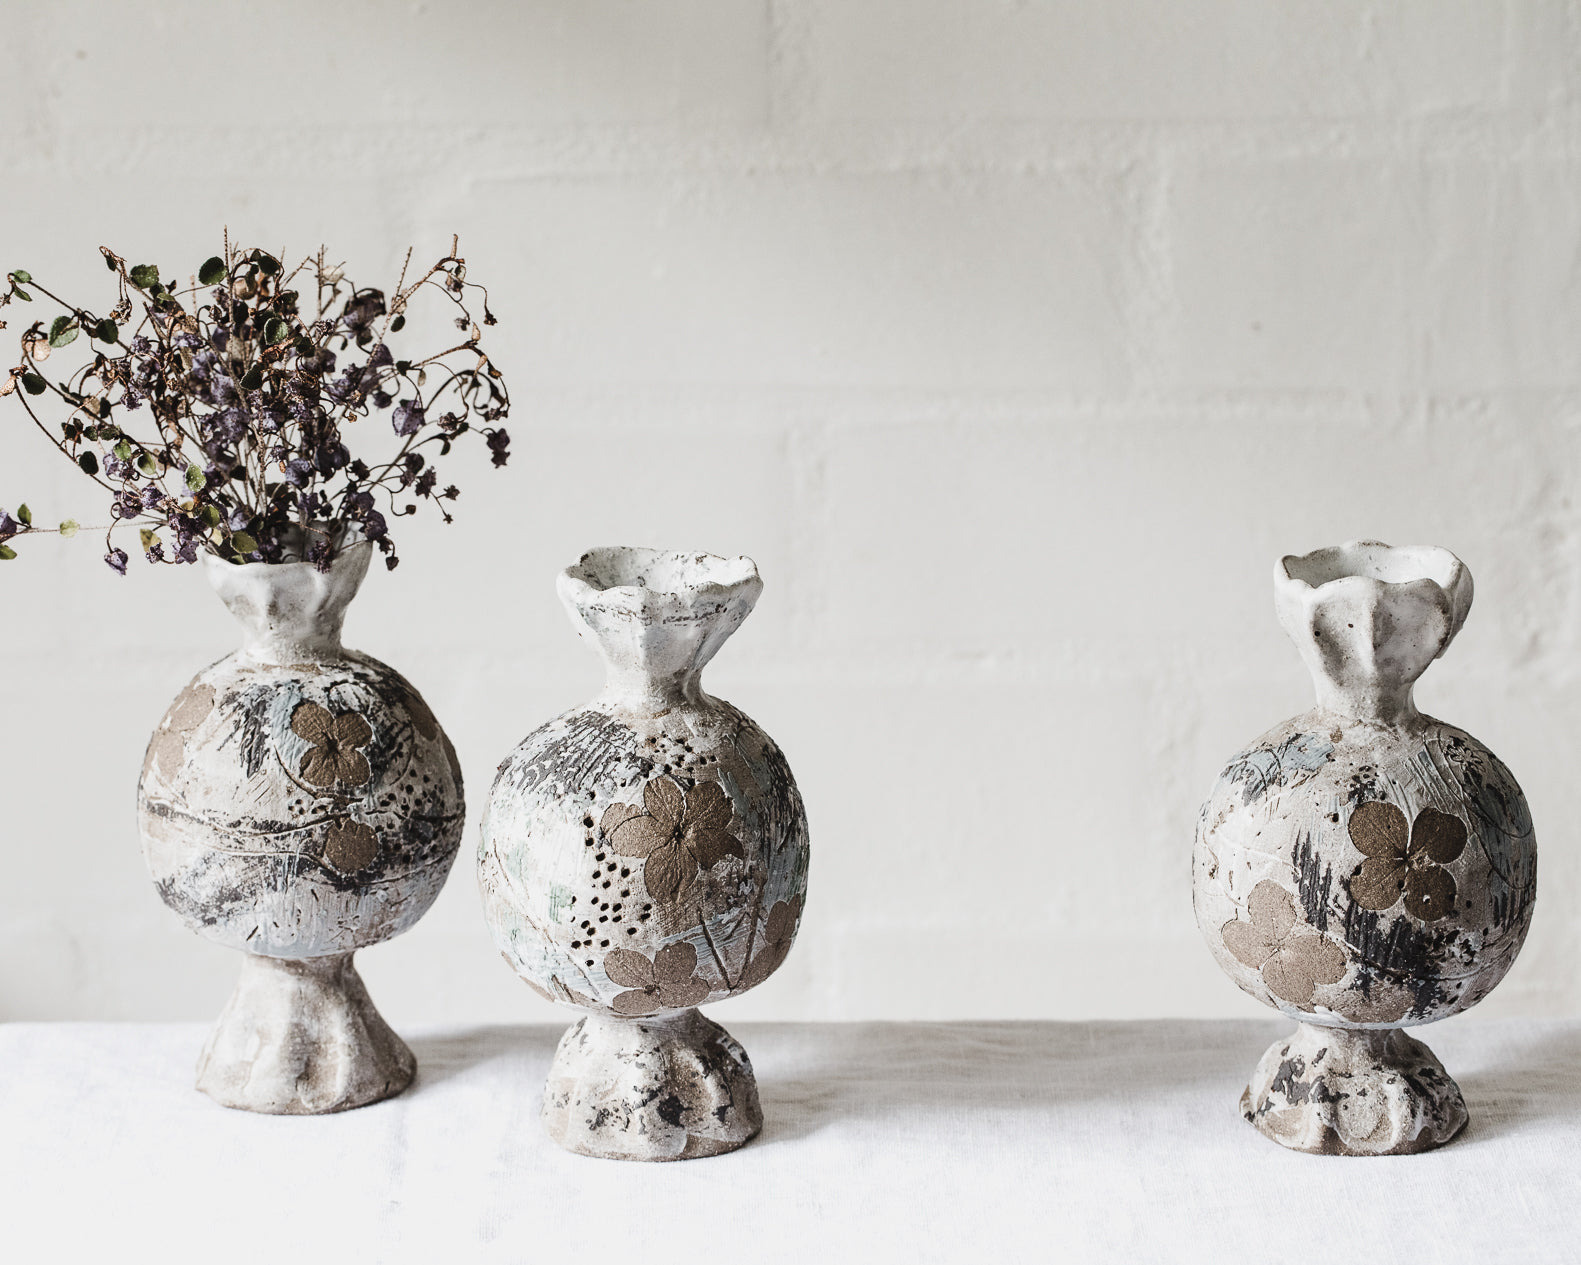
(1341, 1091)
(675, 1087)
(301, 1037)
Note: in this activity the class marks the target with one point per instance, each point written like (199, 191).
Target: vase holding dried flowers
(1363, 867)
(299, 800)
(645, 854)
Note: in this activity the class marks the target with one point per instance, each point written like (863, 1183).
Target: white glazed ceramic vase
(298, 802)
(1362, 867)
(644, 854)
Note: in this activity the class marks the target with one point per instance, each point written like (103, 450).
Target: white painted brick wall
(1014, 340)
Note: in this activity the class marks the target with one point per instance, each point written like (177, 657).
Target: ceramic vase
(1364, 868)
(644, 854)
(299, 802)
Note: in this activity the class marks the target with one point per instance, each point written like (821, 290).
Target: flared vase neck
(290, 612)
(657, 618)
(1368, 619)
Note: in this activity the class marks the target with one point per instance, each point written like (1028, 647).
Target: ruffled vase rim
(1373, 563)
(668, 582)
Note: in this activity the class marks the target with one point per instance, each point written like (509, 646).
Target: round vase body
(1363, 866)
(1281, 812)
(299, 801)
(643, 855)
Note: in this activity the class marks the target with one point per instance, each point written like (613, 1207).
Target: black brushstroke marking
(785, 815)
(1502, 822)
(247, 711)
(1314, 883)
(591, 749)
(1418, 957)
(1287, 1082)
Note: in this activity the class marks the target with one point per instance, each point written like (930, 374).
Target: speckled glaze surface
(1363, 867)
(643, 855)
(299, 801)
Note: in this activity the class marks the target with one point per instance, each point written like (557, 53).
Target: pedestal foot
(670, 1088)
(1341, 1091)
(300, 1037)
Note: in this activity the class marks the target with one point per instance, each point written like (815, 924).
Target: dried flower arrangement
(252, 378)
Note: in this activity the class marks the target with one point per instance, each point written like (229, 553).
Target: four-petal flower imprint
(334, 755)
(679, 832)
(1405, 860)
(665, 983)
(1294, 960)
(168, 748)
(777, 936)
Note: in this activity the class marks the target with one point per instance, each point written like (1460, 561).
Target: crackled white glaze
(1364, 866)
(647, 853)
(299, 802)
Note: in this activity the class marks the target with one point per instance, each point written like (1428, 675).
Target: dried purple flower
(499, 445)
(254, 384)
(408, 418)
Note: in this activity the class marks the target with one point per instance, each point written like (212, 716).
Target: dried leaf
(62, 331)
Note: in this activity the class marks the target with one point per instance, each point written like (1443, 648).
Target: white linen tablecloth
(981, 1142)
